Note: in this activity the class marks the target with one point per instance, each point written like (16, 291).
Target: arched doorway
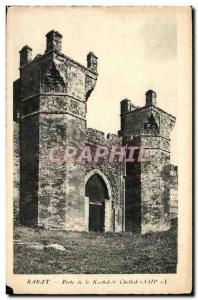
(96, 191)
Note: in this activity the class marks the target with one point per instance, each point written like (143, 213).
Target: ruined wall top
(94, 136)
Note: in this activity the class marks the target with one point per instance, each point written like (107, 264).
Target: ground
(93, 253)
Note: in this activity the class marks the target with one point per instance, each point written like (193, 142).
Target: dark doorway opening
(96, 191)
(133, 197)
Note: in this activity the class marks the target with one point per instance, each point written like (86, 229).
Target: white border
(3, 4)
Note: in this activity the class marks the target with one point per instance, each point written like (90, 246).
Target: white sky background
(136, 49)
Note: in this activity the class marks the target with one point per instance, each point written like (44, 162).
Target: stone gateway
(50, 105)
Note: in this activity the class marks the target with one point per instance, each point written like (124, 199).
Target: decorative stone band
(54, 105)
(39, 112)
(155, 142)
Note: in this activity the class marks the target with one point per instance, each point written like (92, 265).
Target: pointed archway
(98, 199)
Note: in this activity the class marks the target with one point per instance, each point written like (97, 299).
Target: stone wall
(155, 192)
(52, 173)
(75, 174)
(173, 192)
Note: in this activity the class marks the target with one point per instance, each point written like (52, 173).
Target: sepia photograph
(97, 115)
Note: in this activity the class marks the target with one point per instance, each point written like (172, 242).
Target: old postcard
(99, 150)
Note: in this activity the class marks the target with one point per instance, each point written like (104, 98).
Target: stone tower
(147, 198)
(50, 99)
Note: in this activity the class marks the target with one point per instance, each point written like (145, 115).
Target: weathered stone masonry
(50, 104)
(147, 183)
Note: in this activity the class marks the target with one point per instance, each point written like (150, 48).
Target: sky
(136, 50)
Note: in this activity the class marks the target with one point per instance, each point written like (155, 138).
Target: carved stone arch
(99, 212)
(96, 171)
